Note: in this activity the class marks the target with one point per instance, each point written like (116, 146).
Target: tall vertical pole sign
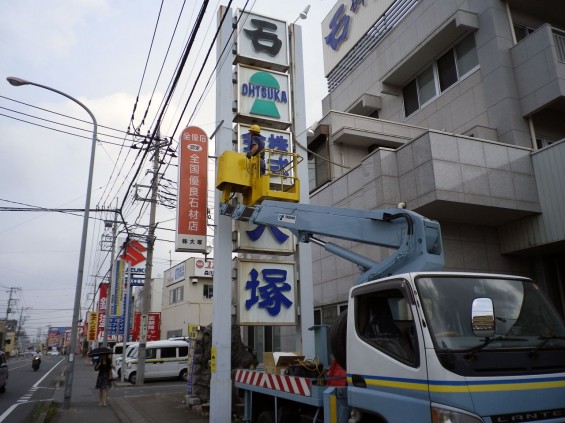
(192, 191)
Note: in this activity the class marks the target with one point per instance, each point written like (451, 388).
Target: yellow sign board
(213, 360)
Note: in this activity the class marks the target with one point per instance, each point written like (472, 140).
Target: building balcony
(444, 176)
(539, 66)
(354, 130)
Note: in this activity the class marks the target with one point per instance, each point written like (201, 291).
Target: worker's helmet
(255, 128)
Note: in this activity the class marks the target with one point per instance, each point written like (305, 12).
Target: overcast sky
(98, 52)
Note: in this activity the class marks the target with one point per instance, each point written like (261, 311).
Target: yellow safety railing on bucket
(279, 181)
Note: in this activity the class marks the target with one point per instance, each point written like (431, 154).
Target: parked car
(3, 371)
(165, 359)
(117, 350)
(53, 352)
(131, 348)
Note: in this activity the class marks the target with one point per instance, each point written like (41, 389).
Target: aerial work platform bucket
(238, 174)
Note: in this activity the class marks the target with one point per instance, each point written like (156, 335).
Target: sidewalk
(127, 403)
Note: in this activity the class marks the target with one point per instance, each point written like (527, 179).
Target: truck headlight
(443, 414)
(128, 365)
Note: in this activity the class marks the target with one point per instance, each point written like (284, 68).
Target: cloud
(47, 36)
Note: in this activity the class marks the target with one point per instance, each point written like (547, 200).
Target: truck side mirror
(482, 317)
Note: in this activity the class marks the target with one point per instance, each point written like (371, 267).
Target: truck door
(386, 354)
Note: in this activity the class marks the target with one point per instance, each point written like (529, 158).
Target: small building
(187, 296)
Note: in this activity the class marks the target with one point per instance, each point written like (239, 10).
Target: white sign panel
(279, 164)
(175, 274)
(263, 239)
(266, 292)
(263, 95)
(348, 21)
(262, 41)
(204, 268)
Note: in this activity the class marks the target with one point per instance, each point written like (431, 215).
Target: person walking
(104, 379)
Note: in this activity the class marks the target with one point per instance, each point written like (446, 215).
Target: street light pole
(76, 311)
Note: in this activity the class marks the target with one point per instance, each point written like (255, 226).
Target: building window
(467, 58)
(522, 31)
(208, 291)
(446, 70)
(442, 74)
(410, 93)
(319, 164)
(426, 85)
(176, 295)
(326, 315)
(544, 142)
(174, 333)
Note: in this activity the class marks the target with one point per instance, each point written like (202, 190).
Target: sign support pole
(220, 383)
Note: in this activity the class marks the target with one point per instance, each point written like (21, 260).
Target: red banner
(192, 197)
(153, 326)
(103, 289)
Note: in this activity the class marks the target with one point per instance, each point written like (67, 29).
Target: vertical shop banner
(115, 316)
(101, 324)
(153, 326)
(103, 289)
(194, 336)
(192, 193)
(92, 325)
(119, 266)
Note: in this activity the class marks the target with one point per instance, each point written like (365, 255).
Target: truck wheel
(133, 378)
(338, 339)
(267, 416)
(184, 375)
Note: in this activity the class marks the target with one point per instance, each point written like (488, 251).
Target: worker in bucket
(256, 145)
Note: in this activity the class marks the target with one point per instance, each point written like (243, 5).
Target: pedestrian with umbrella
(104, 368)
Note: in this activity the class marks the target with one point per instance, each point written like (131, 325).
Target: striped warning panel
(290, 384)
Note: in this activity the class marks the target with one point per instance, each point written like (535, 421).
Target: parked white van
(118, 359)
(118, 349)
(164, 359)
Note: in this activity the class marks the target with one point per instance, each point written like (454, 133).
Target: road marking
(25, 398)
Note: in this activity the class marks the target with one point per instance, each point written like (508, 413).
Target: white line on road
(20, 402)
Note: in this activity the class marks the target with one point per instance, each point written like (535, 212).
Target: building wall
(194, 308)
(486, 98)
(432, 166)
(499, 201)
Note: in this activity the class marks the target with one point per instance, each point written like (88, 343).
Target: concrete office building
(455, 107)
(186, 297)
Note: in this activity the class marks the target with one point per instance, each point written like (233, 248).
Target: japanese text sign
(92, 325)
(266, 292)
(192, 209)
(262, 41)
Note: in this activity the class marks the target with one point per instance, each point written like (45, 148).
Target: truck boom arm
(416, 239)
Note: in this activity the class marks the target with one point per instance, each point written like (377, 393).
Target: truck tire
(184, 375)
(133, 378)
(267, 416)
(338, 339)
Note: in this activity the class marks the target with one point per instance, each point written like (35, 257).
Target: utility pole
(146, 303)
(18, 331)
(8, 311)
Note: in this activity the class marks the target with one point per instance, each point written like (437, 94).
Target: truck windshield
(524, 318)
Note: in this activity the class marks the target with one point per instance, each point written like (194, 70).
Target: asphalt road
(26, 387)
